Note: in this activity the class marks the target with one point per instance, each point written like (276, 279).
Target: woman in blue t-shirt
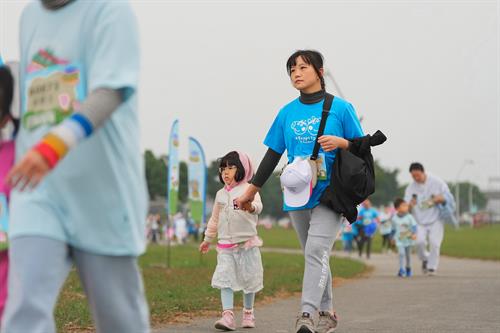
(366, 224)
(294, 130)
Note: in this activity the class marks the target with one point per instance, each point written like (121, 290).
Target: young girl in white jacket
(239, 264)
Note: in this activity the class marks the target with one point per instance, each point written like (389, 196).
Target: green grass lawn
(480, 243)
(287, 239)
(279, 238)
(185, 288)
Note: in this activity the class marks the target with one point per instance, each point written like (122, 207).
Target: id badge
(321, 163)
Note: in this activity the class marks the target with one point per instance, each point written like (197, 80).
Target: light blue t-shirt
(295, 128)
(385, 226)
(95, 199)
(385, 223)
(404, 226)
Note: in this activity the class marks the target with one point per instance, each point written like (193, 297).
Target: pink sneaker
(226, 322)
(248, 319)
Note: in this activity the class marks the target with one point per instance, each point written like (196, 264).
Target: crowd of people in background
(415, 223)
(180, 230)
(397, 226)
(394, 223)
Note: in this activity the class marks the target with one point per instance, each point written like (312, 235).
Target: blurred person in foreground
(78, 188)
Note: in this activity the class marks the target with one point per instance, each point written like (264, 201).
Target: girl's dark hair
(232, 158)
(6, 95)
(310, 57)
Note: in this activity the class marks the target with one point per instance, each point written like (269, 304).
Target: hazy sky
(426, 73)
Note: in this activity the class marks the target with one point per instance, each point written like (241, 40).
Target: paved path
(464, 297)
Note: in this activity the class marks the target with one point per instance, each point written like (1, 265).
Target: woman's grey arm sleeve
(266, 167)
(100, 104)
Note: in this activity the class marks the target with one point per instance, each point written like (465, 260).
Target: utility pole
(470, 199)
(165, 161)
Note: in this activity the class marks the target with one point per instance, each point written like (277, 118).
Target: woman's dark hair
(232, 158)
(310, 57)
(6, 95)
(398, 202)
(416, 166)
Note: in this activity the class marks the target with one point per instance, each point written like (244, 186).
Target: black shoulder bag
(327, 105)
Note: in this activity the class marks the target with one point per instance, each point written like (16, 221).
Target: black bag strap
(327, 105)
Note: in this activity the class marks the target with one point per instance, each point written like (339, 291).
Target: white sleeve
(408, 193)
(257, 204)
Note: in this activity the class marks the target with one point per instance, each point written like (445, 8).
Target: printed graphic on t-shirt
(385, 226)
(426, 204)
(404, 232)
(54, 89)
(305, 130)
(43, 59)
(367, 217)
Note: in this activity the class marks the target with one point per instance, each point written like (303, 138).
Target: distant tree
(213, 183)
(156, 175)
(183, 182)
(387, 187)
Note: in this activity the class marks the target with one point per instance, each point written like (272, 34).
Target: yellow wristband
(57, 144)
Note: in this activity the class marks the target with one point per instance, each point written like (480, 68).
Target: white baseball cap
(296, 181)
